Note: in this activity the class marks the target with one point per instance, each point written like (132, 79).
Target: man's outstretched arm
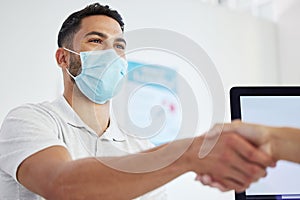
(52, 173)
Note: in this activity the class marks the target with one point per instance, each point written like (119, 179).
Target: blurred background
(251, 42)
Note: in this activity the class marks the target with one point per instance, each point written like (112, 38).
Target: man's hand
(233, 162)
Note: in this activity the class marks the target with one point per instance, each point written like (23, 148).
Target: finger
(207, 180)
(216, 184)
(245, 171)
(238, 167)
(251, 173)
(239, 176)
(204, 179)
(198, 178)
(219, 186)
(231, 184)
(252, 154)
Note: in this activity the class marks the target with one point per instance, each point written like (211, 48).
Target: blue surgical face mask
(101, 73)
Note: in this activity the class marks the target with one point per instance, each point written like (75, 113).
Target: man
(68, 149)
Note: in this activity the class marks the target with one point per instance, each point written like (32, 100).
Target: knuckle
(221, 172)
(251, 155)
(229, 140)
(245, 180)
(254, 170)
(224, 157)
(234, 137)
(249, 181)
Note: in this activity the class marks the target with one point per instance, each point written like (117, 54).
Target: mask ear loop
(67, 69)
(71, 51)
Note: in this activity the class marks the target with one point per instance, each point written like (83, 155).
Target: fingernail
(206, 179)
(219, 186)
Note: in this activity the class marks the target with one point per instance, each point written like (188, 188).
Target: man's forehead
(101, 24)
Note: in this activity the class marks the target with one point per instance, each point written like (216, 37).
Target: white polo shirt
(33, 127)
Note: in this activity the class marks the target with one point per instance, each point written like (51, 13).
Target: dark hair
(72, 24)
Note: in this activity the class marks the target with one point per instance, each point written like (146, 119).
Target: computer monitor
(274, 106)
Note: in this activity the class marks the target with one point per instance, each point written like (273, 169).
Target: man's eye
(120, 46)
(96, 41)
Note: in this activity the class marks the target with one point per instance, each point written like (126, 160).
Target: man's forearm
(130, 176)
(93, 180)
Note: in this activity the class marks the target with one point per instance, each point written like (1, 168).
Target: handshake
(244, 151)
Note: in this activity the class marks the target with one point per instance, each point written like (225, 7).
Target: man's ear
(62, 58)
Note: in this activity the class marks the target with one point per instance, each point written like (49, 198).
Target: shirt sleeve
(25, 131)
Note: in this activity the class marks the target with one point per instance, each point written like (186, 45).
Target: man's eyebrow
(103, 35)
(119, 39)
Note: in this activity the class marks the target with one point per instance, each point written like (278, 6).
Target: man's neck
(96, 116)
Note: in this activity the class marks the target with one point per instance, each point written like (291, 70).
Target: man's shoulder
(29, 108)
(31, 111)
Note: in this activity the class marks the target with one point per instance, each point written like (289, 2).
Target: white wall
(288, 14)
(243, 48)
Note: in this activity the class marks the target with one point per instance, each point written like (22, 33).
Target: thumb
(251, 132)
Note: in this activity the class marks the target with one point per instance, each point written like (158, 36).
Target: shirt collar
(63, 108)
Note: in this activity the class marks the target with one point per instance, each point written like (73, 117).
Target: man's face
(97, 32)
